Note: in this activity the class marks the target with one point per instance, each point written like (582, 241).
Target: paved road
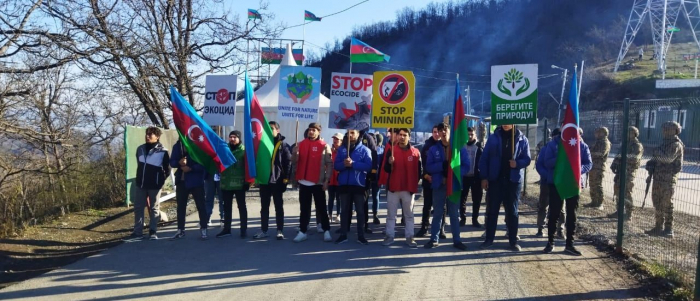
(685, 198)
(237, 269)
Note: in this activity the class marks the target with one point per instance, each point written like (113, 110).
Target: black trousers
(227, 196)
(473, 184)
(274, 192)
(347, 200)
(182, 194)
(555, 204)
(503, 191)
(427, 205)
(306, 193)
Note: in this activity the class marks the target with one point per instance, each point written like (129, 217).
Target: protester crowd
(352, 169)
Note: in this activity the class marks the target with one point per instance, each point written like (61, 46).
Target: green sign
(514, 94)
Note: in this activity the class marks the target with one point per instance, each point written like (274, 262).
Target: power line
(326, 16)
(541, 76)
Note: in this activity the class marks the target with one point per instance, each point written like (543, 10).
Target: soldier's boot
(668, 231)
(657, 230)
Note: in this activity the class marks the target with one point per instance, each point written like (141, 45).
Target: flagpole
(350, 55)
(303, 39)
(247, 48)
(578, 93)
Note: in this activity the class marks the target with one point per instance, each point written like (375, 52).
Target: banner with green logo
(514, 94)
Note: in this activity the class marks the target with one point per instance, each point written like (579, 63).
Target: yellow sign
(393, 99)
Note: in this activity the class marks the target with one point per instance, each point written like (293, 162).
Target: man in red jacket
(404, 172)
(314, 168)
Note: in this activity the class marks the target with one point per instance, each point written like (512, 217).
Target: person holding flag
(502, 164)
(198, 152)
(438, 166)
(280, 169)
(404, 171)
(564, 160)
(259, 154)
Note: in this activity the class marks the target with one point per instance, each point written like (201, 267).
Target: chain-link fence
(660, 170)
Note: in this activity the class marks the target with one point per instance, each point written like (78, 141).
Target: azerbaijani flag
(309, 16)
(258, 134)
(567, 170)
(274, 55)
(203, 145)
(671, 28)
(458, 138)
(254, 14)
(363, 53)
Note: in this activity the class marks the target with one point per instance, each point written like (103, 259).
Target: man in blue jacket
(471, 179)
(353, 169)
(545, 165)
(189, 179)
(437, 167)
(506, 154)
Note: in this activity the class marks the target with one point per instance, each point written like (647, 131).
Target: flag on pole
(203, 145)
(567, 170)
(309, 16)
(258, 137)
(458, 138)
(363, 53)
(254, 14)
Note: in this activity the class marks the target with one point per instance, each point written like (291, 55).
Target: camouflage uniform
(481, 133)
(665, 165)
(542, 143)
(599, 154)
(635, 150)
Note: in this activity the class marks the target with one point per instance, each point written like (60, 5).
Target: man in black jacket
(279, 177)
(372, 176)
(153, 169)
(471, 181)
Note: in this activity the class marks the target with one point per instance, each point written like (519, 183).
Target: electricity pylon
(663, 15)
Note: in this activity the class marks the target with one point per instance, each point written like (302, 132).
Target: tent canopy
(268, 97)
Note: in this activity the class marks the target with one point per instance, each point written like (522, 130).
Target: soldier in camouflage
(635, 150)
(543, 142)
(665, 165)
(599, 154)
(481, 132)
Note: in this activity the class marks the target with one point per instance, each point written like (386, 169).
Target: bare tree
(144, 46)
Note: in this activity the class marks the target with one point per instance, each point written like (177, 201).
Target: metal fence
(671, 200)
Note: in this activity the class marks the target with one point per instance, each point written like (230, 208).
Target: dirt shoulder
(43, 248)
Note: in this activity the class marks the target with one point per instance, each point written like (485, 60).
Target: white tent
(268, 96)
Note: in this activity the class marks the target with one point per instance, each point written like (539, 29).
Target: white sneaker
(319, 229)
(327, 236)
(204, 233)
(301, 236)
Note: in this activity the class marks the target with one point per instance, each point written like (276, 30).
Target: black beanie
(236, 133)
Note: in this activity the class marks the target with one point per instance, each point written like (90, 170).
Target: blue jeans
(503, 190)
(211, 189)
(439, 199)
